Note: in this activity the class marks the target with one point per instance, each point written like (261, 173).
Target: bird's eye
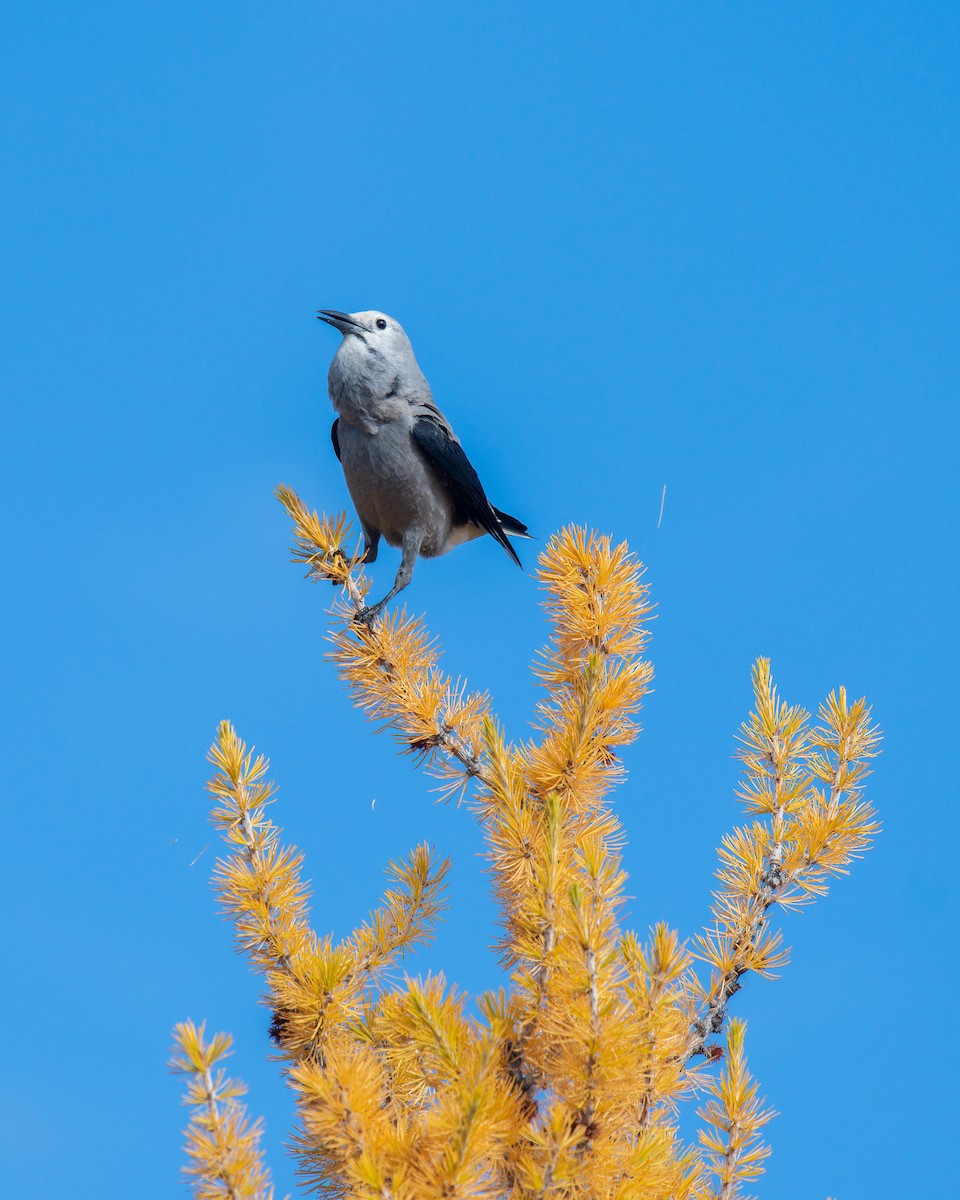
(381, 323)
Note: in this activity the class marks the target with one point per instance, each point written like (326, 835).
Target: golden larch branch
(223, 1147)
(734, 1117)
(566, 1083)
(804, 835)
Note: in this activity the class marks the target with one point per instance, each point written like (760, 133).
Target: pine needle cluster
(223, 1147)
(569, 1081)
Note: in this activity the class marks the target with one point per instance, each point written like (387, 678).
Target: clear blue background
(712, 247)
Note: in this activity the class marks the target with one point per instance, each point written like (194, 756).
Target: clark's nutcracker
(406, 470)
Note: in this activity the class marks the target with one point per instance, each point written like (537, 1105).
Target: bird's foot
(349, 562)
(368, 614)
(341, 559)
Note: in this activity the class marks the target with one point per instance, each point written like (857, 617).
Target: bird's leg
(411, 548)
(371, 542)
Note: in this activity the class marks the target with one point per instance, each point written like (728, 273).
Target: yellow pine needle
(259, 884)
(315, 986)
(734, 1117)
(804, 836)
(319, 543)
(223, 1147)
(392, 672)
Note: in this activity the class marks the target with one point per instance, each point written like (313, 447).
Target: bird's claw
(348, 561)
(338, 557)
(367, 615)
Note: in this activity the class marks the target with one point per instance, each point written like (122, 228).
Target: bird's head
(374, 356)
(379, 333)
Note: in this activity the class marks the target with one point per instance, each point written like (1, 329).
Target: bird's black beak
(339, 320)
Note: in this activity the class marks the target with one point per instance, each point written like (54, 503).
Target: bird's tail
(511, 525)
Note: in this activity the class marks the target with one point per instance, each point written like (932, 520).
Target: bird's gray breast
(369, 388)
(395, 491)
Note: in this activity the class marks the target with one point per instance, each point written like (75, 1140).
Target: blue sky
(708, 247)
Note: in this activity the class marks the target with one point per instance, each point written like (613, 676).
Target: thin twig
(213, 1109)
(253, 856)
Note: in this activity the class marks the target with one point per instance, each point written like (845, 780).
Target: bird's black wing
(447, 458)
(335, 438)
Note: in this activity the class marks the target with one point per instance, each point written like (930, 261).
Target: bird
(407, 474)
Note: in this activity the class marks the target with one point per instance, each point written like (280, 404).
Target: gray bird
(407, 473)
